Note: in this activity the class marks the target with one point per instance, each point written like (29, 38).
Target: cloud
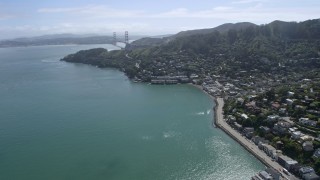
(6, 16)
(180, 12)
(104, 19)
(57, 10)
(94, 11)
(74, 28)
(256, 13)
(248, 1)
(222, 8)
(185, 13)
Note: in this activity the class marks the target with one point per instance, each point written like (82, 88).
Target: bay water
(62, 121)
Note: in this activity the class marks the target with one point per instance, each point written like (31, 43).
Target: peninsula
(266, 79)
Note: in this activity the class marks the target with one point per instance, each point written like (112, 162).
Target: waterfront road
(249, 145)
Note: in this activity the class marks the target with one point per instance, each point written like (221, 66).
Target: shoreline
(219, 122)
(212, 98)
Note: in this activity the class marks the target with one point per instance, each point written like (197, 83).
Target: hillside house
(316, 153)
(296, 135)
(281, 127)
(307, 146)
(308, 122)
(273, 118)
(286, 161)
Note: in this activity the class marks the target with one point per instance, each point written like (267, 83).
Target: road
(249, 145)
(127, 55)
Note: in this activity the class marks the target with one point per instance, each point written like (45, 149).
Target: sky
(23, 18)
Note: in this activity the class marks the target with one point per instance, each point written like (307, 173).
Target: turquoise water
(62, 121)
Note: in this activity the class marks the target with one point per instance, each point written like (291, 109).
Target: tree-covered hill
(278, 47)
(222, 28)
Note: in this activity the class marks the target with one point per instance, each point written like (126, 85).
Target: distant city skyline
(143, 17)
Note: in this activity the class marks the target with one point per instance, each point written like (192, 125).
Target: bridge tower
(114, 38)
(126, 37)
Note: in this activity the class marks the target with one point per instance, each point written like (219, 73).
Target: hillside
(222, 29)
(147, 42)
(278, 47)
(161, 40)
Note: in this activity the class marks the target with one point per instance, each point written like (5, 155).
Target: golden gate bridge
(115, 40)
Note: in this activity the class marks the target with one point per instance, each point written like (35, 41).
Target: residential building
(270, 150)
(248, 131)
(261, 145)
(304, 138)
(265, 176)
(295, 168)
(287, 119)
(290, 94)
(298, 107)
(279, 144)
(307, 122)
(259, 140)
(316, 153)
(275, 106)
(244, 116)
(305, 170)
(262, 175)
(265, 129)
(273, 118)
(307, 146)
(240, 101)
(286, 161)
(238, 126)
(310, 176)
(282, 111)
(252, 107)
(281, 127)
(275, 174)
(231, 119)
(289, 101)
(296, 135)
(293, 129)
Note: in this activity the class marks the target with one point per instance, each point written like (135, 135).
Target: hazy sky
(37, 17)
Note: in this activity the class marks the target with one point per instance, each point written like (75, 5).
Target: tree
(232, 36)
(270, 95)
(292, 149)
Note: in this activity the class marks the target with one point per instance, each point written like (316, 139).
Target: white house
(289, 101)
(273, 118)
(296, 135)
(290, 93)
(244, 116)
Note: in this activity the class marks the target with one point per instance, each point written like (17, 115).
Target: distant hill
(61, 39)
(272, 40)
(222, 28)
(56, 40)
(148, 41)
(54, 36)
(160, 40)
(162, 36)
